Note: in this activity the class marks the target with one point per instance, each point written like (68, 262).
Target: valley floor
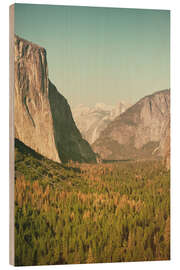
(81, 213)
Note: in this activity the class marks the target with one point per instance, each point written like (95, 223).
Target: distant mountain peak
(92, 120)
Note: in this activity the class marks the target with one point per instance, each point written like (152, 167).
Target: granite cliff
(42, 116)
(138, 132)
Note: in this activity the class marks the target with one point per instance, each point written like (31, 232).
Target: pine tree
(90, 258)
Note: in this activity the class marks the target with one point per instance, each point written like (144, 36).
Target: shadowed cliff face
(69, 142)
(137, 132)
(43, 119)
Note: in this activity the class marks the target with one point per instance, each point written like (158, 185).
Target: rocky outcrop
(137, 132)
(42, 117)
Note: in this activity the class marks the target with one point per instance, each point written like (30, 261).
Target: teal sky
(100, 54)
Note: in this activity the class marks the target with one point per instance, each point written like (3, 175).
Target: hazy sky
(100, 54)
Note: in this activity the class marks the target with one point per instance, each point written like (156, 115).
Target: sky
(100, 54)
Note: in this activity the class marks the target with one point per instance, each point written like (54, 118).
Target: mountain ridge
(137, 132)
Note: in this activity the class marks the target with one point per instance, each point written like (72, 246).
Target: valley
(87, 213)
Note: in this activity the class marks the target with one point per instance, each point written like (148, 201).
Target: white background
(174, 6)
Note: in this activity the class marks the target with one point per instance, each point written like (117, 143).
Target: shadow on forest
(26, 150)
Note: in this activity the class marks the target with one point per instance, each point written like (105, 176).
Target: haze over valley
(92, 120)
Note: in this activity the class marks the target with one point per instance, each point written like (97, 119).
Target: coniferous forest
(90, 213)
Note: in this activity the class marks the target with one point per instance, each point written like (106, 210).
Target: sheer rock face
(34, 122)
(137, 132)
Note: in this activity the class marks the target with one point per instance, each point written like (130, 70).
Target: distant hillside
(137, 132)
(92, 121)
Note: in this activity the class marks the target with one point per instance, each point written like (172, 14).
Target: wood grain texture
(11, 134)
